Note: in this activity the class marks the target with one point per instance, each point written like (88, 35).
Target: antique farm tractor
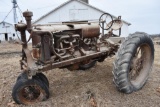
(78, 46)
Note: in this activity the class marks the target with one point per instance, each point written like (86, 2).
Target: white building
(76, 10)
(7, 32)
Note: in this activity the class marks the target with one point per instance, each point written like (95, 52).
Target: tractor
(78, 45)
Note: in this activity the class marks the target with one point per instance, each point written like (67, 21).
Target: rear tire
(88, 65)
(133, 63)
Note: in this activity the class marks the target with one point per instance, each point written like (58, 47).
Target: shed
(7, 31)
(77, 10)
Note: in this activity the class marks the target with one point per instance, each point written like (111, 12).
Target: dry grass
(91, 88)
(157, 55)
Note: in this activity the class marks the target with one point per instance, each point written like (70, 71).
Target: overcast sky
(144, 15)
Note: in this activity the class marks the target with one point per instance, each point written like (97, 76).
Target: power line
(7, 15)
(20, 12)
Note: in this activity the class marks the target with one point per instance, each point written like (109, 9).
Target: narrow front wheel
(28, 91)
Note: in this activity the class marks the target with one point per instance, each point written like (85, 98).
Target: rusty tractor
(78, 46)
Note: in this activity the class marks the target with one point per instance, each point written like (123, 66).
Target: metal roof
(65, 3)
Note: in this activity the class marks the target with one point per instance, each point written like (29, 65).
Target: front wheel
(28, 91)
(41, 76)
(133, 63)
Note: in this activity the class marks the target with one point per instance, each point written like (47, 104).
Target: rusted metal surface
(73, 67)
(21, 27)
(64, 45)
(28, 16)
(139, 64)
(90, 31)
(30, 92)
(73, 45)
(36, 53)
(35, 39)
(87, 30)
(27, 95)
(71, 61)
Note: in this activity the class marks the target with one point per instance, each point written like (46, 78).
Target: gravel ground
(91, 88)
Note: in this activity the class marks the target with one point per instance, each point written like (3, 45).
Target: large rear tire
(133, 63)
(87, 64)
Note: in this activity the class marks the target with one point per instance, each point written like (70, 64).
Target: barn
(7, 31)
(77, 10)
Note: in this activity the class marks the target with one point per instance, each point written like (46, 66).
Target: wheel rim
(140, 65)
(30, 94)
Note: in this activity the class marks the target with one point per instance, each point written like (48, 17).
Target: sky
(144, 15)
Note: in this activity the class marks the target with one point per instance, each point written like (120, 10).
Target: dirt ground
(91, 88)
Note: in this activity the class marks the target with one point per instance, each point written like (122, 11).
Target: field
(91, 88)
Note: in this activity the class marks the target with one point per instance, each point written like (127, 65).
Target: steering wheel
(105, 21)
